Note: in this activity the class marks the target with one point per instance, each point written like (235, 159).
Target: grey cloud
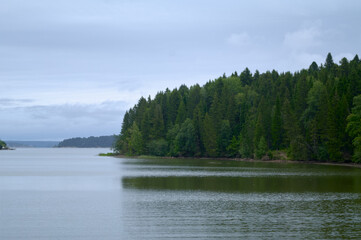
(6, 102)
(239, 39)
(52, 49)
(104, 112)
(303, 39)
(61, 121)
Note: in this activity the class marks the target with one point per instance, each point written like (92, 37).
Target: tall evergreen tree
(181, 113)
(354, 127)
(329, 62)
(209, 137)
(186, 139)
(224, 137)
(276, 128)
(135, 140)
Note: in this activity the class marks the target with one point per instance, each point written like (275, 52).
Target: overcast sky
(73, 67)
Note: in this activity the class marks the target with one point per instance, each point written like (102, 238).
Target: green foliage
(336, 130)
(249, 115)
(329, 62)
(261, 148)
(315, 119)
(158, 147)
(171, 138)
(354, 127)
(209, 137)
(157, 123)
(276, 127)
(245, 150)
(233, 147)
(298, 149)
(181, 113)
(135, 140)
(313, 68)
(225, 135)
(186, 139)
(111, 154)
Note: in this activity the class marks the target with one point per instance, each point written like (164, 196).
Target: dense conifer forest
(313, 114)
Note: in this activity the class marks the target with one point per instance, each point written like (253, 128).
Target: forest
(89, 142)
(312, 114)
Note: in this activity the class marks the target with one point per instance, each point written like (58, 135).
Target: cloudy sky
(73, 67)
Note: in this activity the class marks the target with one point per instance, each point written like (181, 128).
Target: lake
(75, 194)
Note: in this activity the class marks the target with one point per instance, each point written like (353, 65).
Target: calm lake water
(75, 194)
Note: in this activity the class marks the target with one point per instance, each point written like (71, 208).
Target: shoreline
(354, 165)
(4, 149)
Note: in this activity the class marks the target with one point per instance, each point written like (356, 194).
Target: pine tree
(329, 64)
(337, 137)
(297, 145)
(135, 140)
(198, 126)
(276, 128)
(157, 130)
(246, 77)
(173, 105)
(313, 69)
(186, 139)
(233, 147)
(354, 128)
(261, 148)
(181, 113)
(224, 137)
(315, 120)
(171, 139)
(209, 137)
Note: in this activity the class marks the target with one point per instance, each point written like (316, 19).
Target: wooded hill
(89, 142)
(309, 114)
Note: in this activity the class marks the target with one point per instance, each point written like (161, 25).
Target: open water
(64, 193)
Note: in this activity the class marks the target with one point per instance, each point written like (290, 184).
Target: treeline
(89, 142)
(309, 114)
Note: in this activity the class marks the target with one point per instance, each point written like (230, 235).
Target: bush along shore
(311, 115)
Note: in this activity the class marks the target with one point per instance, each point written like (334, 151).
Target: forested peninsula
(313, 114)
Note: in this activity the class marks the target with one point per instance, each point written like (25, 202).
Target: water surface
(75, 194)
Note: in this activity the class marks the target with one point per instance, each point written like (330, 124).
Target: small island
(3, 145)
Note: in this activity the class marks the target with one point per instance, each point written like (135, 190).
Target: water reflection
(242, 177)
(201, 199)
(244, 185)
(74, 194)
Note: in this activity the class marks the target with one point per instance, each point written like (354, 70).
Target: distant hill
(89, 142)
(32, 144)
